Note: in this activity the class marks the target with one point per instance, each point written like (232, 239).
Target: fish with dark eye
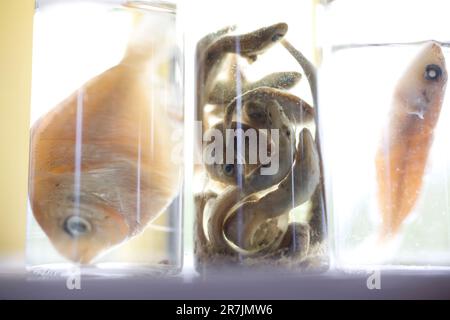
(101, 164)
(403, 152)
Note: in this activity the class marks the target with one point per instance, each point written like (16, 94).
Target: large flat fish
(101, 167)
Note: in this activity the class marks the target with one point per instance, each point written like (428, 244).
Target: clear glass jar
(257, 185)
(105, 181)
(385, 111)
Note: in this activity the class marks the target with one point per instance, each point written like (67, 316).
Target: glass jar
(257, 186)
(105, 181)
(385, 110)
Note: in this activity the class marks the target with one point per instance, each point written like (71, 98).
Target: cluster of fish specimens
(100, 163)
(406, 140)
(243, 215)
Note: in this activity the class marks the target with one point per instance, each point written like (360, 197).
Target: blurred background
(16, 19)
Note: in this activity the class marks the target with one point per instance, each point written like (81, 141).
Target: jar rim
(159, 5)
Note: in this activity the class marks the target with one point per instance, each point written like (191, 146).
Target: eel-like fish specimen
(268, 114)
(308, 68)
(318, 221)
(101, 166)
(231, 173)
(405, 144)
(250, 215)
(296, 188)
(262, 114)
(225, 91)
(295, 108)
(213, 49)
(236, 83)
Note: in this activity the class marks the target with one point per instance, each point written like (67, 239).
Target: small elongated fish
(402, 155)
(101, 167)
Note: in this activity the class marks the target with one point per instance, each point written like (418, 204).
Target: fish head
(262, 39)
(80, 231)
(229, 158)
(422, 86)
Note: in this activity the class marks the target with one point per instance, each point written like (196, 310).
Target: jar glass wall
(385, 109)
(257, 184)
(107, 120)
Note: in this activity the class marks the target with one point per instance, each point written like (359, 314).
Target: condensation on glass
(258, 186)
(385, 111)
(106, 145)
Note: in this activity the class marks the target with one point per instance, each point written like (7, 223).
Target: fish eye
(433, 72)
(76, 226)
(228, 169)
(276, 37)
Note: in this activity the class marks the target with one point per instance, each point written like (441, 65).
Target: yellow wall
(15, 73)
